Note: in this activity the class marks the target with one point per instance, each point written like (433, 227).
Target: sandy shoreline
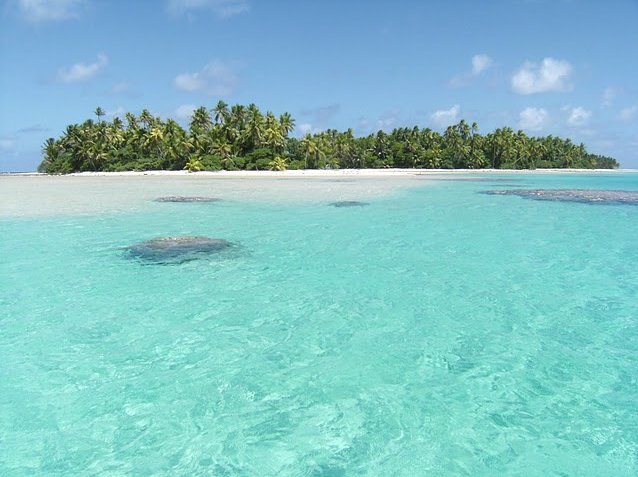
(307, 173)
(37, 195)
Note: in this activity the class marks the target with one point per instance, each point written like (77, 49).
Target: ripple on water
(435, 332)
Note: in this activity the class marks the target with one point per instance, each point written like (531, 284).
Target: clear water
(435, 332)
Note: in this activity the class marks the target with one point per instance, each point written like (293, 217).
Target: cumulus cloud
(578, 116)
(215, 79)
(480, 63)
(533, 119)
(185, 111)
(81, 72)
(550, 75)
(444, 117)
(38, 11)
(222, 8)
(627, 114)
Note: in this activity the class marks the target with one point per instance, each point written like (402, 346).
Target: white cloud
(80, 72)
(627, 114)
(185, 111)
(222, 8)
(307, 128)
(304, 129)
(609, 95)
(533, 119)
(550, 75)
(444, 117)
(215, 79)
(37, 11)
(480, 63)
(118, 112)
(578, 116)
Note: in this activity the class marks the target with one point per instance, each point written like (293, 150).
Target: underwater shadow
(179, 249)
(583, 196)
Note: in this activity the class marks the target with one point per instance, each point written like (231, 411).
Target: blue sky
(567, 67)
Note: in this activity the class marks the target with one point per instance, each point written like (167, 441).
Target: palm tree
(309, 148)
(456, 144)
(131, 120)
(200, 121)
(224, 150)
(175, 145)
(273, 136)
(146, 118)
(536, 151)
(221, 112)
(50, 150)
(521, 145)
(287, 124)
(99, 112)
(254, 127)
(154, 140)
(381, 148)
(148, 141)
(343, 150)
(237, 117)
(476, 156)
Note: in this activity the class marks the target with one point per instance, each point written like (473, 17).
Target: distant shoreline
(308, 173)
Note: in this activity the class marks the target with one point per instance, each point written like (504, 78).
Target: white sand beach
(33, 194)
(333, 172)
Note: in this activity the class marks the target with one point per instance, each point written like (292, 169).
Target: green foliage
(241, 137)
(193, 164)
(259, 159)
(211, 162)
(278, 164)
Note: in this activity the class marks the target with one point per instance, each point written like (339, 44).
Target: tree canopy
(242, 137)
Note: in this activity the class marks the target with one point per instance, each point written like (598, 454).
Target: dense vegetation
(241, 137)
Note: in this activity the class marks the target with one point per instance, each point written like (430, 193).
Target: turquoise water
(435, 332)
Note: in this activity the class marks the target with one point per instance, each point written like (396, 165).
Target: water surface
(437, 331)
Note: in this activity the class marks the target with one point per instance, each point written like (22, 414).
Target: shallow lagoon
(437, 331)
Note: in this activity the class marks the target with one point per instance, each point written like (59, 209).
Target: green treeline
(242, 137)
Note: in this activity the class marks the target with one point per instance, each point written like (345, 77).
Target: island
(243, 138)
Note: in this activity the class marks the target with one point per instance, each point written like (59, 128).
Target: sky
(562, 67)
